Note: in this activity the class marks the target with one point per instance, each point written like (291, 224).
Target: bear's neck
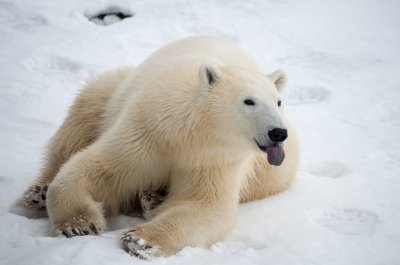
(210, 156)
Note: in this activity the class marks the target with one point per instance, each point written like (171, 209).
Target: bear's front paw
(35, 197)
(79, 226)
(138, 246)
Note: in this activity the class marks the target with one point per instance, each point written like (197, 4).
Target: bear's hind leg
(78, 131)
(81, 128)
(150, 200)
(34, 197)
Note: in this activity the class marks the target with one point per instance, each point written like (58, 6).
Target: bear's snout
(277, 135)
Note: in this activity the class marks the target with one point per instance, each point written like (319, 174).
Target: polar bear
(197, 119)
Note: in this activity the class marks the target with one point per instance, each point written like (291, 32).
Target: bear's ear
(209, 75)
(279, 78)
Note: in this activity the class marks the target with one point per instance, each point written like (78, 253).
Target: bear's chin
(275, 153)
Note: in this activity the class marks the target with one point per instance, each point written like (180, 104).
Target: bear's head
(248, 108)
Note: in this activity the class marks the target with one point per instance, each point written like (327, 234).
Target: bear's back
(172, 73)
(226, 52)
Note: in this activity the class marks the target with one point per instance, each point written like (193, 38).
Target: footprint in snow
(307, 95)
(328, 169)
(18, 19)
(54, 64)
(348, 221)
(4, 179)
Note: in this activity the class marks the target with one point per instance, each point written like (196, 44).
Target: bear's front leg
(179, 224)
(70, 197)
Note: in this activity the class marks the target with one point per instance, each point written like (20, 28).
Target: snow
(343, 97)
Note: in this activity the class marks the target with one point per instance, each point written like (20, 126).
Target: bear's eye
(279, 103)
(249, 102)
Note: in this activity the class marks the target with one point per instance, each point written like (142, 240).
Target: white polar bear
(197, 119)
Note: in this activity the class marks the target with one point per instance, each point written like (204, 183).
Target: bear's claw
(137, 247)
(78, 226)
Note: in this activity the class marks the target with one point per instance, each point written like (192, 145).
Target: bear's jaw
(274, 151)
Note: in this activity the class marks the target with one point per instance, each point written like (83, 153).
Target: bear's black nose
(277, 135)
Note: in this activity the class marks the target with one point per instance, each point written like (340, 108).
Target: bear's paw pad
(137, 246)
(35, 197)
(78, 226)
(348, 221)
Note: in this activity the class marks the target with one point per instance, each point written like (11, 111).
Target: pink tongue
(275, 155)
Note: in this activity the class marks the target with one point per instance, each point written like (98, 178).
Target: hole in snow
(110, 16)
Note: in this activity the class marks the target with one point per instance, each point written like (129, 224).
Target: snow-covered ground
(343, 63)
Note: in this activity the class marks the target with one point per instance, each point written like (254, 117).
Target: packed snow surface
(343, 63)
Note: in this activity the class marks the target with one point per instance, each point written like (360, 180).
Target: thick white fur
(164, 125)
